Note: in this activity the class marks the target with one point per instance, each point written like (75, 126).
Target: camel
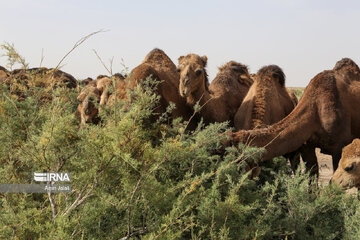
(94, 91)
(266, 102)
(326, 117)
(348, 172)
(43, 77)
(158, 66)
(219, 100)
(20, 79)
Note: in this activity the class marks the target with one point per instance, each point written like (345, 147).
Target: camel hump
(101, 76)
(119, 76)
(236, 66)
(159, 60)
(46, 75)
(346, 63)
(274, 72)
(142, 72)
(347, 70)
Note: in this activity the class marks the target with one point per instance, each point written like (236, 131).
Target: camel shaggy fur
(326, 117)
(348, 172)
(219, 100)
(266, 102)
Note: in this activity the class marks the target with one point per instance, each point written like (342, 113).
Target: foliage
(297, 91)
(136, 177)
(13, 56)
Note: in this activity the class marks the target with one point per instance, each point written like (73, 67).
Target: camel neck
(283, 137)
(202, 96)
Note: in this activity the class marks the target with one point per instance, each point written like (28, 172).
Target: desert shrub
(298, 92)
(136, 178)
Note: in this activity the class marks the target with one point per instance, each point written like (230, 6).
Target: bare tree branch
(77, 44)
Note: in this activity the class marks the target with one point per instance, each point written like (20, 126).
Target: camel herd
(263, 112)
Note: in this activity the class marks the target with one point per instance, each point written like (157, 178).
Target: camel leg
(309, 157)
(294, 159)
(335, 160)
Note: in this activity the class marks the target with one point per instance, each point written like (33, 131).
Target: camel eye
(198, 72)
(350, 168)
(178, 70)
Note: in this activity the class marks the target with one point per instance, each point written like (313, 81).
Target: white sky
(303, 37)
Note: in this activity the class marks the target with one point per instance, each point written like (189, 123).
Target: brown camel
(326, 117)
(20, 79)
(94, 91)
(158, 66)
(266, 102)
(348, 172)
(220, 100)
(43, 77)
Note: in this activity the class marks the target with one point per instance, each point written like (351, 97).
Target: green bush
(136, 178)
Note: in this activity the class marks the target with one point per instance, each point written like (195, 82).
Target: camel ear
(244, 76)
(180, 59)
(204, 59)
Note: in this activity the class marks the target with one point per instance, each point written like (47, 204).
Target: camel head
(193, 76)
(348, 172)
(86, 108)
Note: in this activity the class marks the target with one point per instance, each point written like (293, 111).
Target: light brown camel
(266, 102)
(327, 117)
(348, 172)
(220, 100)
(95, 91)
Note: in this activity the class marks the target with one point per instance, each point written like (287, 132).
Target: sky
(303, 37)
